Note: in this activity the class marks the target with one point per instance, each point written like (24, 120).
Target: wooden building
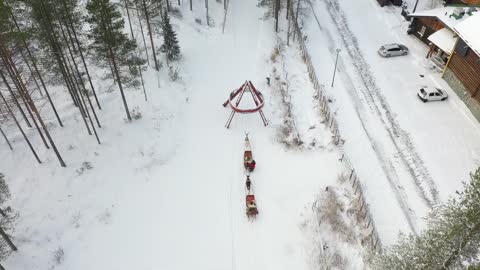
(435, 28)
(462, 2)
(462, 71)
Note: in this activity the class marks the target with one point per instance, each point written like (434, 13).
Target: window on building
(422, 30)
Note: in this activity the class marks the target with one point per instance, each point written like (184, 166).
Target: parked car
(431, 94)
(393, 49)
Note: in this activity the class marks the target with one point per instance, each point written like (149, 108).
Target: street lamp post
(335, 69)
(415, 7)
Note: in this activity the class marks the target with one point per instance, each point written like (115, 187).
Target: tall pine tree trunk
(9, 67)
(7, 239)
(277, 11)
(141, 30)
(14, 97)
(79, 45)
(129, 20)
(37, 71)
(31, 72)
(6, 139)
(82, 84)
(15, 118)
(151, 35)
(82, 91)
(208, 17)
(40, 120)
(117, 74)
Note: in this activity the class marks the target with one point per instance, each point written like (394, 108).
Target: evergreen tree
(170, 42)
(451, 240)
(111, 44)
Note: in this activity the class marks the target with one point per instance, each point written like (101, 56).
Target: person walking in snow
(249, 183)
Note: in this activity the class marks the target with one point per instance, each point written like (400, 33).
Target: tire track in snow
(401, 140)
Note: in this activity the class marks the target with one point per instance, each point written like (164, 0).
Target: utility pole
(335, 69)
(415, 7)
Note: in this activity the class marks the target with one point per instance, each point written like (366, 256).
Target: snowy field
(167, 191)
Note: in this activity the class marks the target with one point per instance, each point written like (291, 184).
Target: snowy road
(381, 95)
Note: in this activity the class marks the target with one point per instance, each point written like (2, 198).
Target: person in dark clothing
(249, 183)
(268, 81)
(251, 165)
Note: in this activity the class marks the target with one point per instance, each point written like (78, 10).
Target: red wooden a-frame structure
(257, 98)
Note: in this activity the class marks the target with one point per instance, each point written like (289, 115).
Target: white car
(431, 94)
(393, 49)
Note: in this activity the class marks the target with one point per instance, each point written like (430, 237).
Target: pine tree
(451, 239)
(111, 44)
(170, 42)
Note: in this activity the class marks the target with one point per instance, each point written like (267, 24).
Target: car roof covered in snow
(392, 45)
(430, 89)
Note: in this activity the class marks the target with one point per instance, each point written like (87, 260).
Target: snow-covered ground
(409, 155)
(167, 191)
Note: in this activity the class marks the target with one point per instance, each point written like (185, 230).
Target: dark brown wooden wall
(432, 25)
(468, 2)
(467, 69)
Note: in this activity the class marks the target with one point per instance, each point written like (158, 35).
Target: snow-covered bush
(85, 166)
(173, 74)
(58, 256)
(136, 114)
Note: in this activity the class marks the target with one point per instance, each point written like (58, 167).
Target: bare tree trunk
(128, 17)
(6, 139)
(179, 3)
(151, 34)
(57, 52)
(76, 93)
(11, 70)
(191, 6)
(143, 84)
(15, 119)
(19, 106)
(141, 30)
(81, 55)
(206, 7)
(296, 12)
(115, 68)
(288, 8)
(277, 11)
(133, 38)
(31, 72)
(85, 92)
(40, 120)
(117, 74)
(289, 24)
(7, 239)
